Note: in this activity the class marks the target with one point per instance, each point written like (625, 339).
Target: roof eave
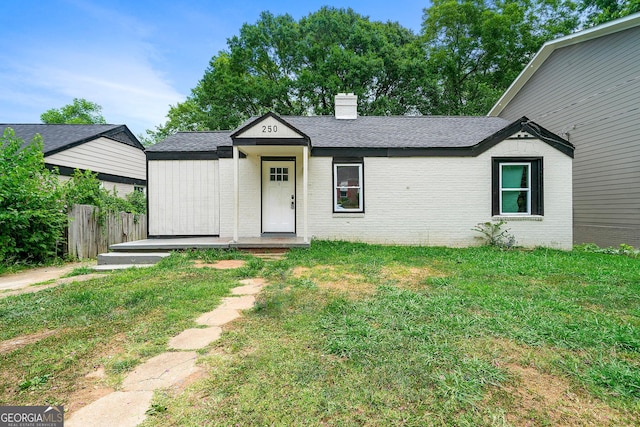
(104, 134)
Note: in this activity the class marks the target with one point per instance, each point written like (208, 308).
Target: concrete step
(129, 258)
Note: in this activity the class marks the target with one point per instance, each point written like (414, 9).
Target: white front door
(278, 196)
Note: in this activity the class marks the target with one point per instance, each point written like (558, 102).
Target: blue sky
(133, 57)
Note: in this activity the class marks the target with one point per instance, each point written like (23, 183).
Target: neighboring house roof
(193, 141)
(61, 137)
(402, 135)
(548, 48)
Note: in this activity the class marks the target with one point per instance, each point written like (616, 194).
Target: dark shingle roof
(193, 141)
(60, 137)
(363, 132)
(397, 131)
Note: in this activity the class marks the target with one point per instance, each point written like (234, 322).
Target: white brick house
(405, 180)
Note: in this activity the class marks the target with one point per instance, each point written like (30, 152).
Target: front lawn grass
(51, 339)
(355, 334)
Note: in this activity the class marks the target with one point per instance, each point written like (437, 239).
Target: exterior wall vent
(346, 106)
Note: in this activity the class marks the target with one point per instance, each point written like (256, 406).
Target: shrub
(623, 249)
(84, 188)
(494, 235)
(32, 217)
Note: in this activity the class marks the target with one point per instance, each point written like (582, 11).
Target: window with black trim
(348, 186)
(517, 186)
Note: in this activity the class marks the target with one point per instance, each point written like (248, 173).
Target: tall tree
(80, 111)
(477, 47)
(601, 11)
(296, 67)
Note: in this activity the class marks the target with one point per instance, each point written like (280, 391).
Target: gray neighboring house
(112, 151)
(585, 87)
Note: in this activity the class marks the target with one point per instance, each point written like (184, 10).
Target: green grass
(117, 321)
(355, 334)
(80, 271)
(444, 348)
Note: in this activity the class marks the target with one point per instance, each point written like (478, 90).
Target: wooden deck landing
(183, 243)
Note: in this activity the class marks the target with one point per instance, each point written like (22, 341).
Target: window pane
(348, 187)
(515, 176)
(348, 176)
(348, 198)
(514, 202)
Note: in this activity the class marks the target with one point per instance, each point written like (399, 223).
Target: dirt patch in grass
(332, 278)
(97, 383)
(19, 342)
(225, 264)
(543, 398)
(409, 277)
(534, 397)
(87, 390)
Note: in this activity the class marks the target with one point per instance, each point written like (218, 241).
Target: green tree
(478, 47)
(32, 215)
(601, 11)
(297, 67)
(80, 111)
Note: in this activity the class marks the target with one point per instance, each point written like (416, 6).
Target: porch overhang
(271, 151)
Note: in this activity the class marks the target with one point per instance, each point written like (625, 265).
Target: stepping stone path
(128, 407)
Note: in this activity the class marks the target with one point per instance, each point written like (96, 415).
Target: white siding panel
(121, 189)
(183, 197)
(103, 155)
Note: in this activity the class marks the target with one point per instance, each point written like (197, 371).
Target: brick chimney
(346, 106)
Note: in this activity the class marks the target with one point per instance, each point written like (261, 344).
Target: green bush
(84, 188)
(493, 234)
(32, 215)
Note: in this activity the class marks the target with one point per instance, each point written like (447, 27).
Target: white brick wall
(250, 197)
(437, 200)
(412, 200)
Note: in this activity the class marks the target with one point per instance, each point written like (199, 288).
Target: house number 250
(269, 129)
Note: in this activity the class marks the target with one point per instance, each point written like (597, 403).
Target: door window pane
(278, 174)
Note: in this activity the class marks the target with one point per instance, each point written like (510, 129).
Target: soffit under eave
(271, 150)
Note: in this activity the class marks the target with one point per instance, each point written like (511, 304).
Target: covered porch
(276, 164)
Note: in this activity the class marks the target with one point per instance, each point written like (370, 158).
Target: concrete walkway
(38, 275)
(127, 407)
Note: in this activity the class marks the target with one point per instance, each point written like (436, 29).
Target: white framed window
(517, 186)
(348, 194)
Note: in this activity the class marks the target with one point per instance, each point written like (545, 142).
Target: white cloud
(114, 66)
(127, 86)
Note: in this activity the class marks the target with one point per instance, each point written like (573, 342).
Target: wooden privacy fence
(89, 235)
